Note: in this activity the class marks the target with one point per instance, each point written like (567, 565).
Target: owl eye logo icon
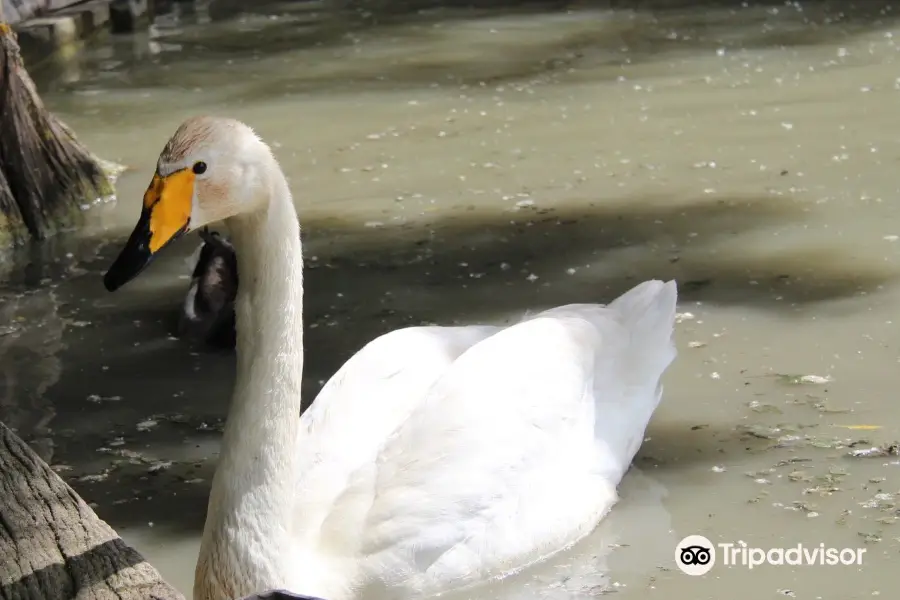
(695, 555)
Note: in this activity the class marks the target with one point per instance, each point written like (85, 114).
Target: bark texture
(54, 547)
(45, 173)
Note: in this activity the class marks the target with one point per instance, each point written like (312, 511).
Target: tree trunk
(45, 173)
(53, 546)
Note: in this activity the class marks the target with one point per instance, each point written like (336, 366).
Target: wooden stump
(53, 546)
(45, 173)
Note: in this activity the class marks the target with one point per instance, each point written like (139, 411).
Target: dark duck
(207, 313)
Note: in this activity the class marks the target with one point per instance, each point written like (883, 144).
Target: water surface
(458, 166)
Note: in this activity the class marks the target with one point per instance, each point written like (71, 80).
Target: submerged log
(45, 173)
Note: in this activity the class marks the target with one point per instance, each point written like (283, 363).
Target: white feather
(514, 453)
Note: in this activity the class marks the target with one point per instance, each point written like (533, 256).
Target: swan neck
(269, 301)
(250, 514)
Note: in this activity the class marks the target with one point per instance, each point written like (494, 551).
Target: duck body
(207, 312)
(436, 458)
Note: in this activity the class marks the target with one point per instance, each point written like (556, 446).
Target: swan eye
(199, 167)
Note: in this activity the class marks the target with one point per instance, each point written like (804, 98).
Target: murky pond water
(461, 166)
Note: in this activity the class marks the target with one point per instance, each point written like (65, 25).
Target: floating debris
(799, 476)
(802, 379)
(130, 456)
(806, 507)
(870, 538)
(892, 449)
(882, 501)
(762, 432)
(204, 426)
(160, 466)
(95, 477)
(760, 474)
(790, 436)
(760, 407)
(833, 476)
(147, 425)
(98, 399)
(792, 461)
(824, 408)
(821, 490)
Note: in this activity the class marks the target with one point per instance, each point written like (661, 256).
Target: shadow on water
(130, 395)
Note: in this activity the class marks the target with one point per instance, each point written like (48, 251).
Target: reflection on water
(459, 165)
(29, 341)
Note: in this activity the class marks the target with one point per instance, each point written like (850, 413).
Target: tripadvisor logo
(697, 555)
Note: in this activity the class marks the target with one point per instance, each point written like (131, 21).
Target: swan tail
(648, 313)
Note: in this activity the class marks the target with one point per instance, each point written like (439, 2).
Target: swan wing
(516, 450)
(363, 403)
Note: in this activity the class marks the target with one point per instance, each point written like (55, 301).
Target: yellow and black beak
(165, 216)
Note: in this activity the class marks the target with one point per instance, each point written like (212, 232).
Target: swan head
(211, 169)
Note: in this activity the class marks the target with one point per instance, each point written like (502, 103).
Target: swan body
(437, 457)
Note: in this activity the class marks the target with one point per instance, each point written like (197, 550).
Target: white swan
(435, 458)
